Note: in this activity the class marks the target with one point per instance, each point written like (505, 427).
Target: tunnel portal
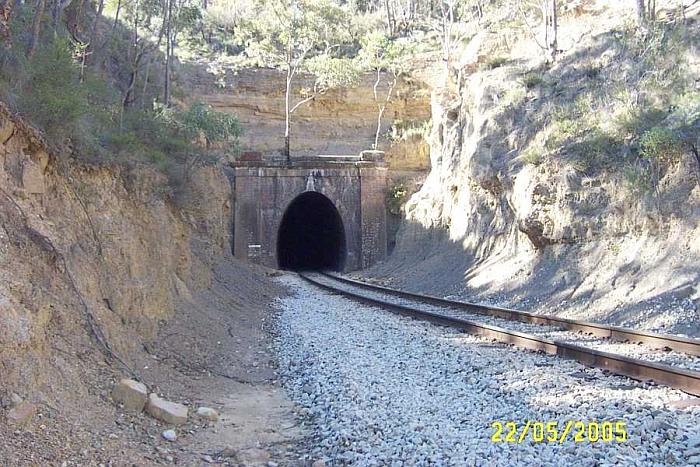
(311, 235)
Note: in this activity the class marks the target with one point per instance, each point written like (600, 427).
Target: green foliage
(87, 112)
(685, 117)
(495, 62)
(513, 97)
(332, 72)
(396, 198)
(532, 155)
(564, 132)
(282, 34)
(660, 144)
(381, 53)
(201, 120)
(595, 150)
(631, 122)
(406, 130)
(533, 80)
(52, 95)
(592, 71)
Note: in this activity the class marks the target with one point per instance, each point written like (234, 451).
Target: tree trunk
(152, 58)
(93, 28)
(380, 108)
(389, 20)
(553, 23)
(114, 24)
(287, 116)
(168, 54)
(58, 7)
(641, 13)
(135, 64)
(36, 26)
(651, 10)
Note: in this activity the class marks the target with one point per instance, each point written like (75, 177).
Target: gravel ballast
(642, 352)
(380, 389)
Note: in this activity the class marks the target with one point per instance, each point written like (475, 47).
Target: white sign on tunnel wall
(254, 252)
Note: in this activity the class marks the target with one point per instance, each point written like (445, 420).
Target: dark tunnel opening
(311, 235)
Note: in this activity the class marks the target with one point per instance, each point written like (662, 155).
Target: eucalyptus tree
(300, 37)
(389, 60)
(548, 10)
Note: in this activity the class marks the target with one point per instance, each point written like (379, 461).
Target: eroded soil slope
(103, 277)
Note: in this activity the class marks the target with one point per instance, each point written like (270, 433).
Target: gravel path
(641, 352)
(386, 390)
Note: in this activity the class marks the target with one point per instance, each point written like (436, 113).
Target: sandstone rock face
(339, 122)
(573, 240)
(166, 411)
(131, 394)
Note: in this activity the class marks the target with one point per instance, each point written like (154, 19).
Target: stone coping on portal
(364, 159)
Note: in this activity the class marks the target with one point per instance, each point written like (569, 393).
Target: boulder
(166, 411)
(21, 414)
(32, 178)
(131, 394)
(208, 413)
(15, 399)
(41, 158)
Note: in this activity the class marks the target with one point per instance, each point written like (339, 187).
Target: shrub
(564, 131)
(513, 97)
(532, 156)
(660, 144)
(396, 198)
(52, 96)
(634, 121)
(201, 120)
(533, 80)
(406, 130)
(598, 149)
(592, 71)
(495, 62)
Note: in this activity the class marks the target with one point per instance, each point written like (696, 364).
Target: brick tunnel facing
(311, 235)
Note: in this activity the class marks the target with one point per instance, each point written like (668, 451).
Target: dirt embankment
(508, 216)
(102, 277)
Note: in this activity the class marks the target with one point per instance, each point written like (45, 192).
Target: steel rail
(659, 341)
(678, 378)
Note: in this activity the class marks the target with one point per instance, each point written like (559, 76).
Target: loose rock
(131, 394)
(21, 414)
(15, 400)
(208, 413)
(166, 411)
(169, 435)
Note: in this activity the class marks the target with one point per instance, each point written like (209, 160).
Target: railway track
(494, 325)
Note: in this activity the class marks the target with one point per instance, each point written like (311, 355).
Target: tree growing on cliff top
(299, 36)
(388, 59)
